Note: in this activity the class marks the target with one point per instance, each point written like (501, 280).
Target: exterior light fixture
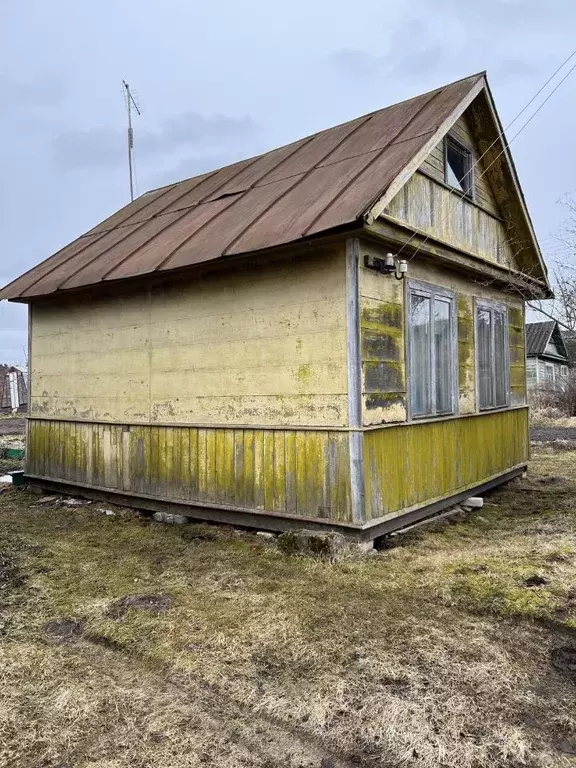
(389, 265)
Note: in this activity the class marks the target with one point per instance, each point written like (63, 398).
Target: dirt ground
(552, 433)
(10, 426)
(128, 643)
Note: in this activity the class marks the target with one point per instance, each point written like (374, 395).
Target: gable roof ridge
(303, 197)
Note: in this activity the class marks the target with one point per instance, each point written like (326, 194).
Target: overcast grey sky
(221, 81)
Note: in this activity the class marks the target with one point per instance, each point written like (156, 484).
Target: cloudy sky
(220, 81)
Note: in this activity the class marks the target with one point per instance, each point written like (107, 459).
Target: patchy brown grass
(442, 652)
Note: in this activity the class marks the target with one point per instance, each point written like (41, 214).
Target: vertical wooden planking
(202, 465)
(269, 467)
(228, 486)
(302, 507)
(248, 467)
(279, 503)
(239, 476)
(32, 452)
(259, 481)
(339, 463)
(291, 472)
(167, 461)
(219, 450)
(184, 464)
(427, 461)
(126, 438)
(211, 468)
(194, 466)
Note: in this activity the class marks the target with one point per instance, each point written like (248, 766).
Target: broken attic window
(458, 162)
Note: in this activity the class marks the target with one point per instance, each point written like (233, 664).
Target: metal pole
(130, 137)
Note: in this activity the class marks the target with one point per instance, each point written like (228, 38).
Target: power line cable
(501, 135)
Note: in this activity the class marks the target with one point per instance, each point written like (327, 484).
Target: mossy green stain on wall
(384, 376)
(296, 472)
(381, 345)
(406, 466)
(383, 315)
(383, 366)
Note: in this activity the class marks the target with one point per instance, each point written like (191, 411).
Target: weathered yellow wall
(381, 343)
(254, 345)
(294, 472)
(382, 334)
(407, 466)
(428, 205)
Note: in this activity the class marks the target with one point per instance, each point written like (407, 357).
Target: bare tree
(563, 276)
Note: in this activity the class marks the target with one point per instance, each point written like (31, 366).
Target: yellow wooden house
(329, 335)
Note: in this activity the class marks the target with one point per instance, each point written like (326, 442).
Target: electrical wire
(501, 135)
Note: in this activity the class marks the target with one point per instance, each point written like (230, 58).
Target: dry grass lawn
(455, 649)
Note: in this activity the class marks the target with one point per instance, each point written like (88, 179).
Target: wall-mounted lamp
(389, 265)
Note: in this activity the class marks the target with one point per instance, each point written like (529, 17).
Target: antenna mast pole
(129, 104)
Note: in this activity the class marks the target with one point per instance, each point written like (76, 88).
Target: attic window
(458, 166)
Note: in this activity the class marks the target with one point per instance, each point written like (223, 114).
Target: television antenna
(130, 102)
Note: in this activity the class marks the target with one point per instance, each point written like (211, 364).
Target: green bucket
(15, 453)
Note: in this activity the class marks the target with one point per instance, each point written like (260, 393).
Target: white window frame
(564, 370)
(491, 306)
(431, 292)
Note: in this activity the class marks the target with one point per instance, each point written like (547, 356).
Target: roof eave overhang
(396, 234)
(317, 240)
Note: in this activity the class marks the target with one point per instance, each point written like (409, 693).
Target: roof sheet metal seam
(299, 180)
(200, 202)
(237, 196)
(378, 154)
(100, 235)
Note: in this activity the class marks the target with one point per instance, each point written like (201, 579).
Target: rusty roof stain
(307, 188)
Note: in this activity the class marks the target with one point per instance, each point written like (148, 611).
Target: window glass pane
(500, 373)
(458, 167)
(485, 358)
(442, 356)
(420, 369)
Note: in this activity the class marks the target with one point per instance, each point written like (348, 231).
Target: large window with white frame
(492, 361)
(432, 350)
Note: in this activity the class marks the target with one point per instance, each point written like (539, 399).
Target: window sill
(491, 408)
(434, 416)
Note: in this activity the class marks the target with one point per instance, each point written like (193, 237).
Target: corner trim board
(356, 443)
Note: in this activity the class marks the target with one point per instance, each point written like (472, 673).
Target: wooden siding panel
(284, 471)
(440, 212)
(256, 345)
(409, 466)
(381, 345)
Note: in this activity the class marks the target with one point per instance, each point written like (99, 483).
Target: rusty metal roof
(327, 180)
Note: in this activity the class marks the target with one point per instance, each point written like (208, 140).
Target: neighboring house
(13, 390)
(569, 338)
(547, 360)
(329, 335)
